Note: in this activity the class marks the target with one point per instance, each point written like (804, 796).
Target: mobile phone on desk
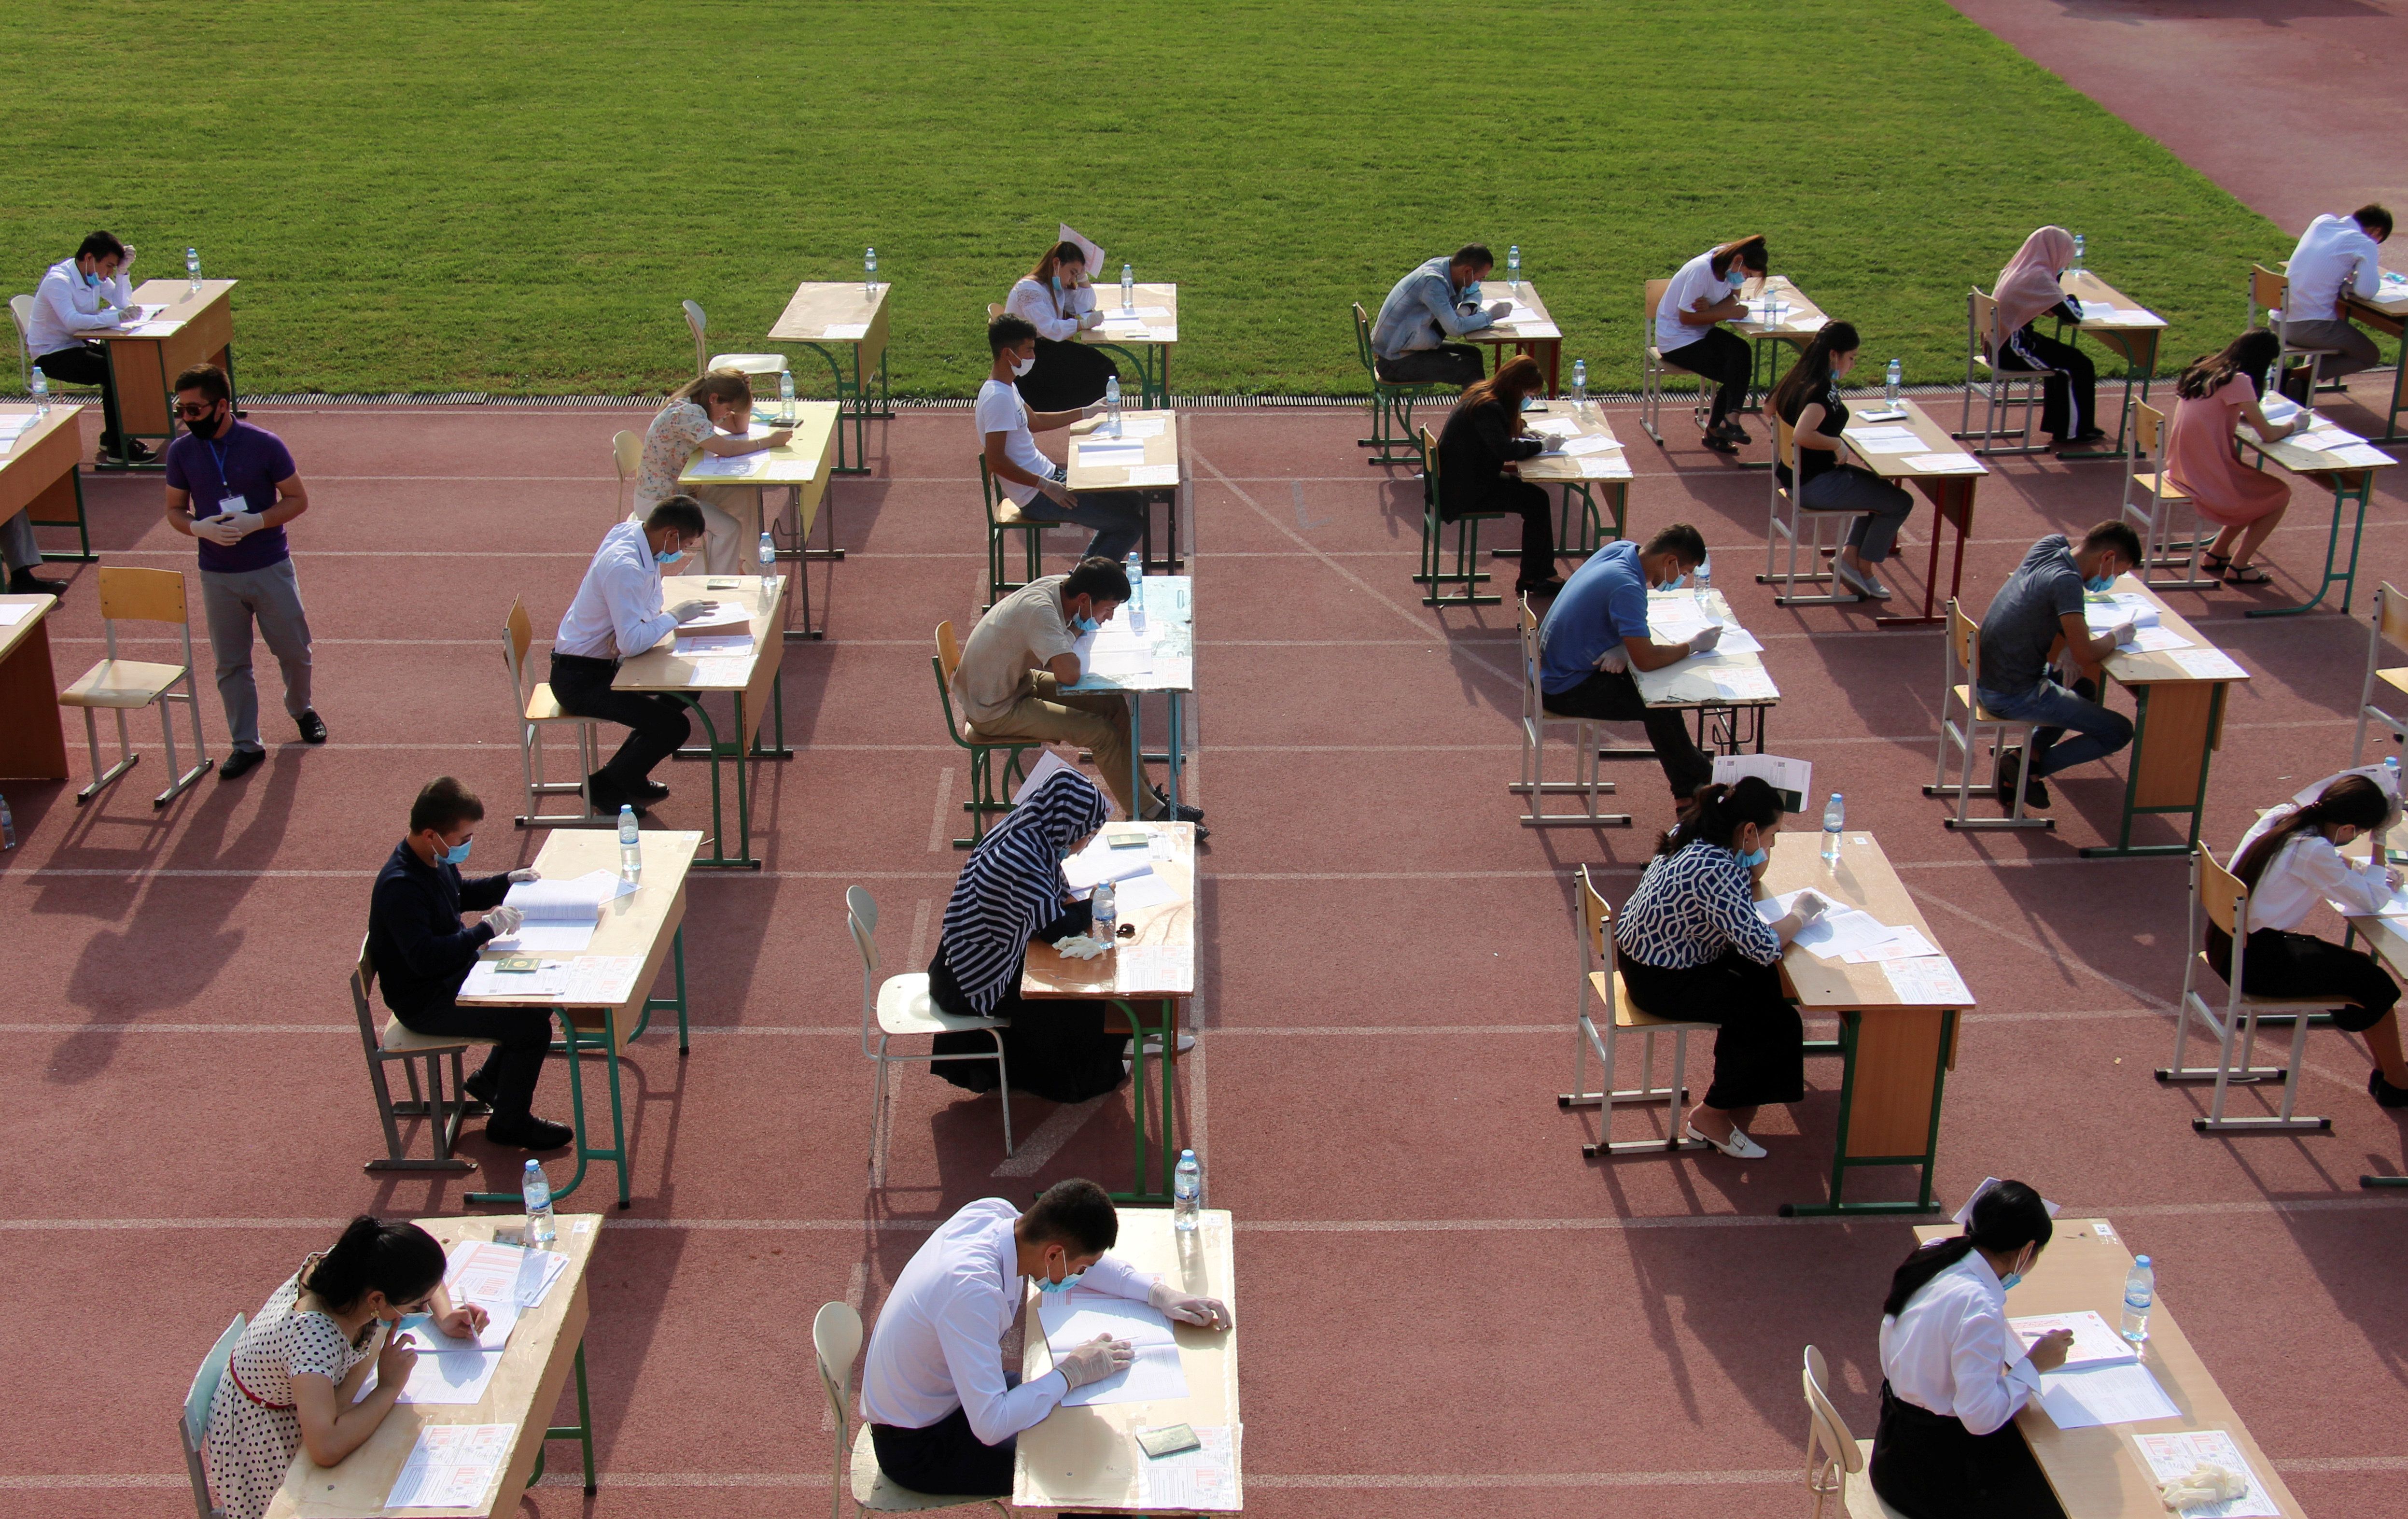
(1170, 1439)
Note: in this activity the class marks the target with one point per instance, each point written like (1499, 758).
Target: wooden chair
(539, 710)
(1962, 718)
(122, 686)
(1466, 540)
(898, 1007)
(752, 365)
(1654, 367)
(397, 1041)
(1392, 402)
(627, 457)
(193, 1422)
(1003, 516)
(1836, 1459)
(2390, 625)
(1601, 1030)
(1997, 386)
(1536, 720)
(1786, 517)
(2270, 297)
(835, 1341)
(2218, 897)
(2152, 515)
(984, 782)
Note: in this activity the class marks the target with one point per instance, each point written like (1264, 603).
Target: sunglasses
(190, 412)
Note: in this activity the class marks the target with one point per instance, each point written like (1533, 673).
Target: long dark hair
(2005, 1217)
(398, 1259)
(1055, 256)
(1515, 380)
(1810, 379)
(2247, 354)
(1747, 252)
(2352, 799)
(1722, 811)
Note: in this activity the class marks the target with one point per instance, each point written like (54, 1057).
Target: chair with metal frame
(900, 1007)
(2390, 625)
(1466, 572)
(121, 685)
(1536, 720)
(537, 709)
(2222, 899)
(1601, 980)
(752, 365)
(397, 1041)
(835, 1341)
(2152, 515)
(1960, 691)
(1654, 366)
(1392, 402)
(1818, 553)
(984, 779)
(1835, 1458)
(626, 457)
(2270, 298)
(20, 311)
(1003, 516)
(1995, 384)
(193, 1421)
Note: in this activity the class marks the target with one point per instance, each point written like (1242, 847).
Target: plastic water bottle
(537, 1189)
(2390, 783)
(193, 267)
(786, 397)
(1112, 407)
(631, 852)
(2077, 252)
(7, 826)
(2140, 1295)
(1128, 288)
(1186, 1194)
(1704, 579)
(1889, 385)
(1580, 383)
(768, 555)
(1513, 266)
(1105, 911)
(1134, 567)
(1835, 817)
(869, 271)
(41, 383)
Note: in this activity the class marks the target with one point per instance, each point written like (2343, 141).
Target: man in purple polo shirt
(234, 487)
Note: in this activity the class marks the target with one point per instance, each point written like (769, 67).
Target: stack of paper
(12, 616)
(846, 332)
(1201, 1479)
(1886, 440)
(501, 1278)
(1153, 475)
(454, 1466)
(723, 614)
(1075, 1317)
(2154, 640)
(1591, 443)
(1551, 426)
(1140, 427)
(712, 645)
(2105, 612)
(2095, 1340)
(1928, 982)
(728, 467)
(2175, 1454)
(1945, 463)
(2360, 455)
(2122, 1394)
(1100, 860)
(1610, 465)
(2208, 664)
(1841, 931)
(1107, 452)
(542, 979)
(560, 915)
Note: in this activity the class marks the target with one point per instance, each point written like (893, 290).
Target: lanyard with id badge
(232, 503)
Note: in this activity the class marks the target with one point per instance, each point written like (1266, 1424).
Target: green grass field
(514, 196)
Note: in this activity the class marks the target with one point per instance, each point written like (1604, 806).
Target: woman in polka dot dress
(290, 1383)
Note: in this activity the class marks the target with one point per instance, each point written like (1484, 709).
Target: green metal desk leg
(82, 555)
(568, 1043)
(1143, 1191)
(662, 1004)
(2391, 433)
(2342, 496)
(581, 1432)
(617, 1153)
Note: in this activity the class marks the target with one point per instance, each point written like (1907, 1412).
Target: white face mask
(1021, 366)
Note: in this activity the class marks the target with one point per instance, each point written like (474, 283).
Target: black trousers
(521, 1036)
(1067, 376)
(1614, 698)
(2282, 964)
(1537, 511)
(2069, 401)
(659, 724)
(87, 365)
(1929, 1466)
(1448, 363)
(1057, 1049)
(945, 1458)
(1724, 357)
(1760, 1052)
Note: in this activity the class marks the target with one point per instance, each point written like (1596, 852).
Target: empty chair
(1962, 720)
(121, 685)
(749, 364)
(899, 1006)
(396, 1042)
(835, 1341)
(2150, 501)
(627, 456)
(1392, 402)
(1603, 1013)
(193, 1424)
(1535, 721)
(539, 710)
(1836, 1459)
(985, 784)
(2390, 625)
(1997, 386)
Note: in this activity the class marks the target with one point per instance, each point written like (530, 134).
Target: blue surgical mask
(1754, 857)
(2097, 584)
(1057, 284)
(2007, 1283)
(1676, 582)
(1064, 1285)
(92, 279)
(668, 558)
(1087, 625)
(457, 853)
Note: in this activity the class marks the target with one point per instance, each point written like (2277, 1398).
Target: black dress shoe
(2383, 1093)
(529, 1133)
(136, 451)
(313, 727)
(482, 1086)
(240, 763)
(24, 582)
(1174, 814)
(652, 791)
(1547, 587)
(606, 798)
(2011, 770)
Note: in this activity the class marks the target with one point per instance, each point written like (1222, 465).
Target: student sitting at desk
(291, 1383)
(1689, 335)
(2338, 256)
(944, 1415)
(1808, 399)
(1596, 634)
(2213, 396)
(1485, 434)
(2291, 862)
(1436, 301)
(422, 956)
(2038, 610)
(1955, 1373)
(2028, 291)
(713, 412)
(1057, 298)
(1023, 473)
(1691, 944)
(79, 298)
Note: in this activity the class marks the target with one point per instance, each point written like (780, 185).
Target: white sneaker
(1858, 581)
(1739, 1146)
(1153, 1044)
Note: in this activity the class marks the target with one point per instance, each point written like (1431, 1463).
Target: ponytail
(730, 387)
(1722, 811)
(2353, 800)
(398, 1259)
(2006, 1216)
(1810, 379)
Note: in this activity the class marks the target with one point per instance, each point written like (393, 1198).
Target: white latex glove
(1186, 1307)
(1809, 906)
(525, 873)
(505, 920)
(1094, 1361)
(225, 532)
(1499, 309)
(2124, 631)
(1704, 643)
(687, 612)
(125, 265)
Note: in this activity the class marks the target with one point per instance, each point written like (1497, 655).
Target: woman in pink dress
(2203, 461)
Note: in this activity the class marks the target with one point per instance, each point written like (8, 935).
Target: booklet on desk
(576, 899)
(2095, 1340)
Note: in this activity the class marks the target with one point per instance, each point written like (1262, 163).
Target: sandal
(2248, 575)
(2214, 563)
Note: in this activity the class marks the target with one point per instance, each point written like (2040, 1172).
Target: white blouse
(2305, 871)
(1948, 1350)
(1057, 320)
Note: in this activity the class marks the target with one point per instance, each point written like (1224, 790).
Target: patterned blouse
(1691, 907)
(676, 432)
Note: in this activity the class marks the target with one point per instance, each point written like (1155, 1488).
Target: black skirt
(1929, 1466)
(1067, 376)
(1057, 1049)
(1761, 1050)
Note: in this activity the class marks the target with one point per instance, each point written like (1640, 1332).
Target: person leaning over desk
(2213, 396)
(2036, 617)
(944, 1415)
(1808, 399)
(2290, 860)
(1955, 1373)
(1484, 436)
(2338, 256)
(292, 1383)
(1691, 945)
(713, 412)
(423, 956)
(1703, 294)
(1057, 298)
(1438, 300)
(1596, 634)
(78, 298)
(1026, 477)
(2027, 291)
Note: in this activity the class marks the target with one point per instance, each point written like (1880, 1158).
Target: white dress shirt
(617, 613)
(2305, 871)
(1695, 282)
(1057, 320)
(66, 309)
(1948, 1351)
(938, 1342)
(2334, 251)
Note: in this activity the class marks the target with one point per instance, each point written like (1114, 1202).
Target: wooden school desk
(1895, 1056)
(648, 925)
(1536, 335)
(844, 323)
(1949, 490)
(2095, 1473)
(2122, 327)
(1731, 691)
(2177, 725)
(1157, 966)
(547, 1344)
(802, 467)
(33, 735)
(2387, 313)
(1607, 469)
(1144, 335)
(1078, 1460)
(751, 678)
(198, 327)
(38, 475)
(1797, 322)
(2387, 940)
(1167, 647)
(1144, 458)
(2350, 479)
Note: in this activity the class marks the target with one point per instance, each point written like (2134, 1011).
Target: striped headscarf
(1013, 886)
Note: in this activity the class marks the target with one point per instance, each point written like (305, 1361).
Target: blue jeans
(2102, 732)
(1118, 518)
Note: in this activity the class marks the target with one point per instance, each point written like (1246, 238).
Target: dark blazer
(1479, 441)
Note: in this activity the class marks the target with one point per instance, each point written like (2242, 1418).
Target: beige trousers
(1099, 724)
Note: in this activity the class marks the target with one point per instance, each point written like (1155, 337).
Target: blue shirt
(1602, 603)
(247, 462)
(1423, 310)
